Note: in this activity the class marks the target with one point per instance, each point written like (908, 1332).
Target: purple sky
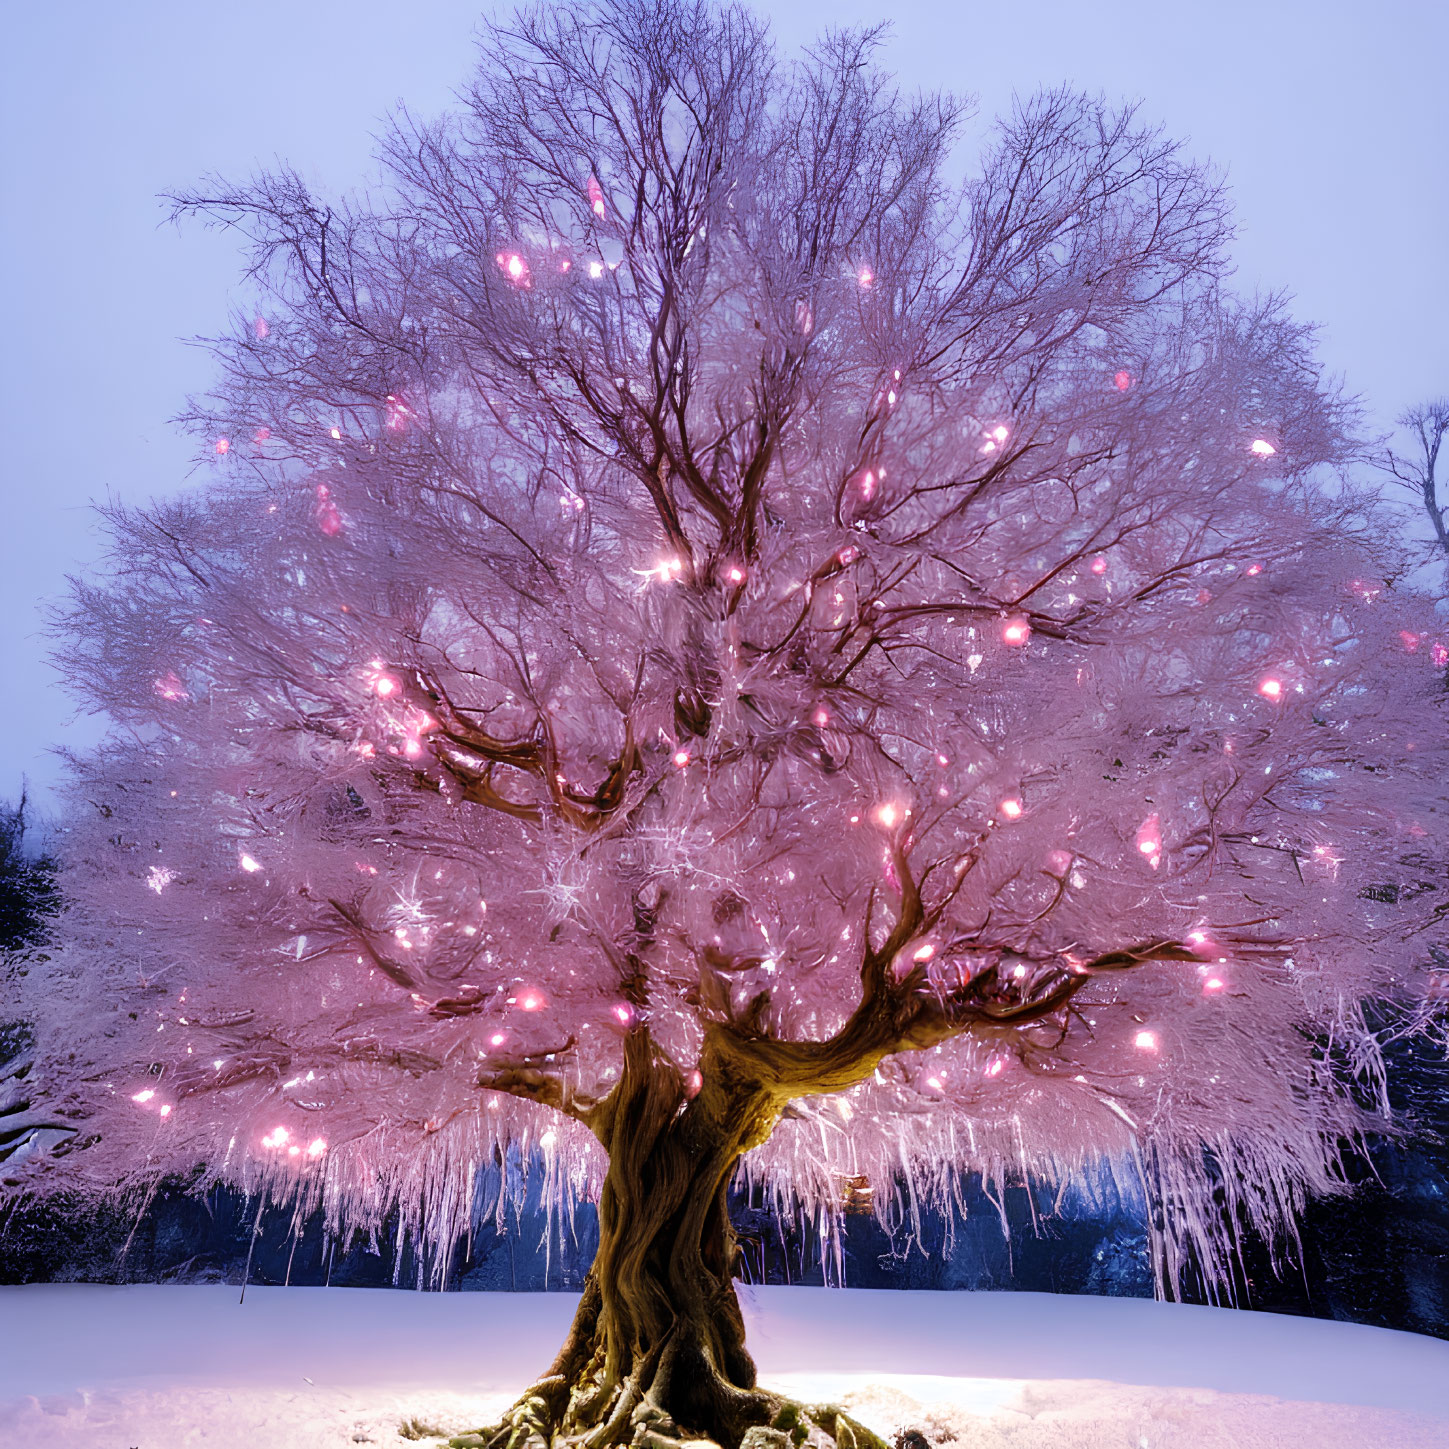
(1330, 117)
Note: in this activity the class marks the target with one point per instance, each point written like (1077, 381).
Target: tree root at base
(778, 1423)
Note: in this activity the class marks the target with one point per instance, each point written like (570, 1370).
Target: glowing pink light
(1261, 448)
(1439, 653)
(692, 1084)
(1213, 983)
(223, 445)
(329, 520)
(169, 687)
(144, 1095)
(867, 485)
(1015, 631)
(277, 1137)
(804, 318)
(1149, 840)
(260, 328)
(261, 435)
(514, 266)
(1271, 689)
(821, 717)
(848, 554)
(1145, 1041)
(1410, 640)
(1012, 808)
(596, 196)
(736, 575)
(888, 815)
(681, 758)
(865, 276)
(1254, 569)
(316, 1147)
(1099, 565)
(1197, 938)
(1122, 381)
(532, 1001)
(993, 1069)
(624, 1012)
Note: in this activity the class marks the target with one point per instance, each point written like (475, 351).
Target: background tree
(28, 901)
(704, 639)
(1418, 471)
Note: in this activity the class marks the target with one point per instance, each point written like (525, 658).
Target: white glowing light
(887, 815)
(166, 1110)
(316, 1147)
(993, 1069)
(169, 687)
(1149, 840)
(596, 270)
(159, 877)
(1145, 1041)
(144, 1095)
(681, 758)
(1213, 983)
(496, 1039)
(736, 575)
(1262, 448)
(924, 953)
(277, 1137)
(513, 265)
(624, 1012)
(1012, 808)
(250, 864)
(1271, 688)
(223, 445)
(1000, 434)
(865, 276)
(531, 1001)
(1015, 631)
(935, 1084)
(1099, 565)
(385, 686)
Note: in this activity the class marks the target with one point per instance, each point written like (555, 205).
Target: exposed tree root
(758, 1420)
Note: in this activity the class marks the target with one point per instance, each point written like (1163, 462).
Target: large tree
(702, 638)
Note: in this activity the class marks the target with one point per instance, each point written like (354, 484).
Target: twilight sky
(1330, 117)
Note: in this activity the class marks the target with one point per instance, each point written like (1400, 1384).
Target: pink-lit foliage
(590, 704)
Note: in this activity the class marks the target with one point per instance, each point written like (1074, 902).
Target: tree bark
(656, 1354)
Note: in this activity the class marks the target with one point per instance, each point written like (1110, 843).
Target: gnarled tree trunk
(656, 1354)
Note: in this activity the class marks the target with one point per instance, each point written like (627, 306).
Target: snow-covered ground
(153, 1367)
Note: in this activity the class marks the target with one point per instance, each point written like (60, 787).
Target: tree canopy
(683, 590)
